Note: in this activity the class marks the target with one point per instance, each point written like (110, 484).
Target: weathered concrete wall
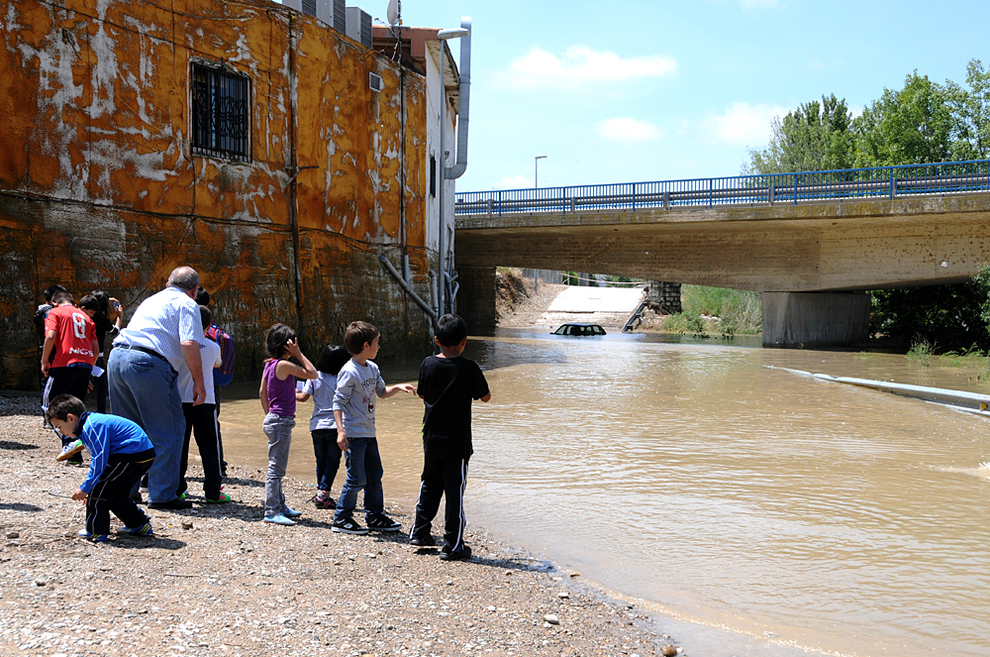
(99, 187)
(815, 319)
(476, 299)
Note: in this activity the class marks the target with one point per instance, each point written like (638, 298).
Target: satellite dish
(394, 12)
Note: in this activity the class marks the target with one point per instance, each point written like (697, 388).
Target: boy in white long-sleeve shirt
(201, 420)
(359, 383)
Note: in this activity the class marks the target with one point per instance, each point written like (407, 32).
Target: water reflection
(686, 474)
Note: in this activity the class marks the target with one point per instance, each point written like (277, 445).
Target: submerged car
(579, 329)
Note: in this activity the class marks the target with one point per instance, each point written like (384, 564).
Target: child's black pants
(442, 477)
(112, 492)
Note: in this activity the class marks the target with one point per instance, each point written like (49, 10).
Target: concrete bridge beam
(815, 319)
(806, 258)
(476, 299)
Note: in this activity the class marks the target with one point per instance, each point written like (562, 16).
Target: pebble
(13, 535)
(553, 620)
(669, 650)
(563, 595)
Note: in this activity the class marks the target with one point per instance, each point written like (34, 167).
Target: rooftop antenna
(394, 13)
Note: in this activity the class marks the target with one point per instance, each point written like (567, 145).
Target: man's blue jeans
(364, 470)
(143, 389)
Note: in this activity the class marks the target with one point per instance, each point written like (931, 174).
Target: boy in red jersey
(74, 333)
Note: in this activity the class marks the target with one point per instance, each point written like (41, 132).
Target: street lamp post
(536, 169)
(443, 35)
(536, 184)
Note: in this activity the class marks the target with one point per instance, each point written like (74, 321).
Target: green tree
(971, 112)
(945, 316)
(912, 126)
(814, 137)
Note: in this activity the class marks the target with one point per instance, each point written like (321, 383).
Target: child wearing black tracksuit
(447, 384)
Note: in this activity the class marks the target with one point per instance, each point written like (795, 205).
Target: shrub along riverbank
(714, 311)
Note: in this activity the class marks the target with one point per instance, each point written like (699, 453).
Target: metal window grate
(309, 7)
(220, 113)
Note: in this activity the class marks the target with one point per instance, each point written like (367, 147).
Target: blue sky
(653, 90)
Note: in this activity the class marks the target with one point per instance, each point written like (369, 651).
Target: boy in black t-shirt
(447, 384)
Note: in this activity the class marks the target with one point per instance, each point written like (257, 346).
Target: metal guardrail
(877, 182)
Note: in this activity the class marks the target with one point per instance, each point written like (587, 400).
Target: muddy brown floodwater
(685, 476)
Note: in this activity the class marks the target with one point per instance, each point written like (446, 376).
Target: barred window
(220, 113)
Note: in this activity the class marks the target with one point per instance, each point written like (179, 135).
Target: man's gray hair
(184, 278)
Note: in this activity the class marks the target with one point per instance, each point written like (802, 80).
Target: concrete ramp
(608, 306)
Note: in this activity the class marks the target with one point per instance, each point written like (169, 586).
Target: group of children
(344, 392)
(120, 450)
(344, 386)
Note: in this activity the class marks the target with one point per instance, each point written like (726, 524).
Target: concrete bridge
(812, 243)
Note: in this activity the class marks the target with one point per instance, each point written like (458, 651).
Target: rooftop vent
(331, 12)
(359, 26)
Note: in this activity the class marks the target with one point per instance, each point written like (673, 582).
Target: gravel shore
(215, 580)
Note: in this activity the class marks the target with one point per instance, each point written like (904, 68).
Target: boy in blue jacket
(121, 454)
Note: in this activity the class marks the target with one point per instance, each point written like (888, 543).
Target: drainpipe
(460, 165)
(402, 169)
(463, 108)
(294, 169)
(405, 286)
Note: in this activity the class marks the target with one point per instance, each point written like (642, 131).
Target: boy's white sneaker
(70, 450)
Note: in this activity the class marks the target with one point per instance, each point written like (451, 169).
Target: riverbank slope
(217, 581)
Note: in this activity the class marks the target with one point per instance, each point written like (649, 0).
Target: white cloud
(759, 4)
(627, 129)
(514, 182)
(741, 124)
(579, 66)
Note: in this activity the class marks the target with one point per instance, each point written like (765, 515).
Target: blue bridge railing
(877, 182)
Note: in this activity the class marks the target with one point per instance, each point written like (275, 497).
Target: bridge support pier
(476, 298)
(815, 319)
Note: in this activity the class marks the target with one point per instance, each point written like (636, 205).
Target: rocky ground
(519, 305)
(215, 580)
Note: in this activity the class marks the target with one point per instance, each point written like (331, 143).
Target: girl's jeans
(279, 432)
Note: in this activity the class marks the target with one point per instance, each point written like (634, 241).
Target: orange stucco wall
(99, 188)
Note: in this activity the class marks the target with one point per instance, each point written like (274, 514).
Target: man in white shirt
(162, 339)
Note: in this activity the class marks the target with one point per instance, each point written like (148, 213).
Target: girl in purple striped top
(278, 400)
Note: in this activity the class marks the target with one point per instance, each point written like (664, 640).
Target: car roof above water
(585, 329)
